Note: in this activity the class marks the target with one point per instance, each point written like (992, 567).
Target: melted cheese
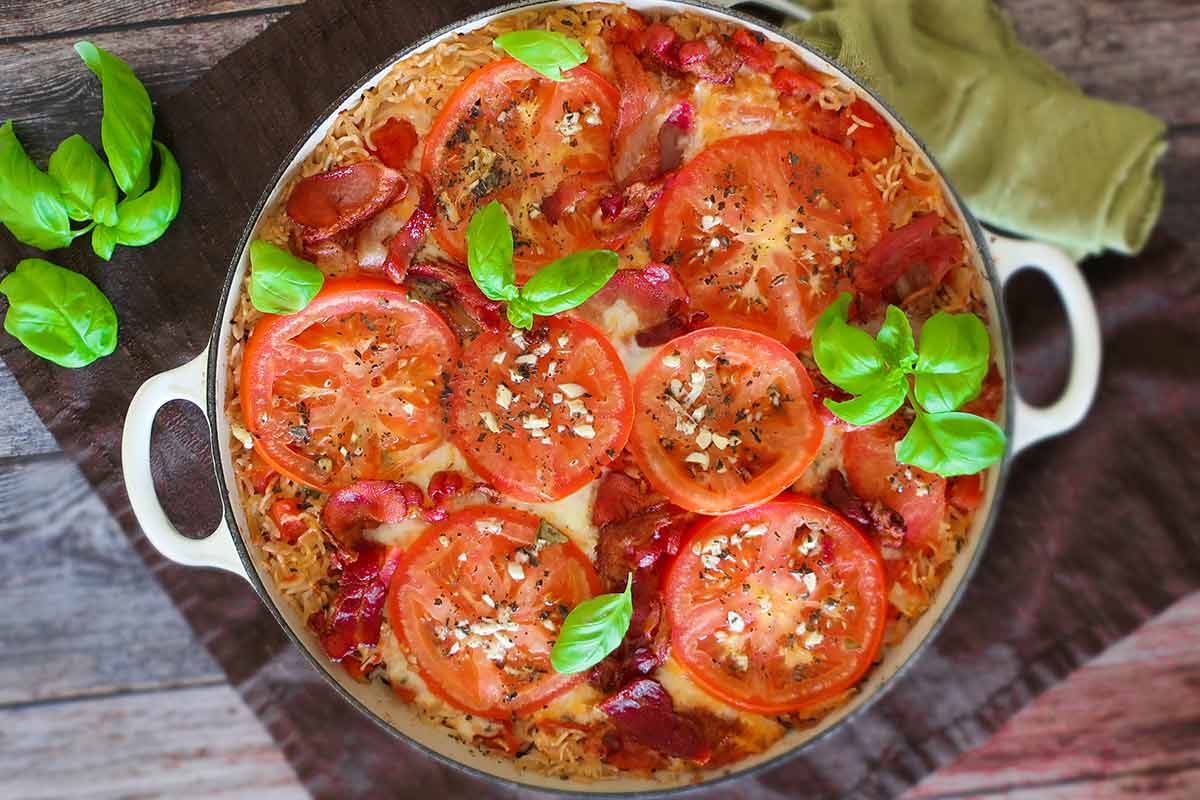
(620, 323)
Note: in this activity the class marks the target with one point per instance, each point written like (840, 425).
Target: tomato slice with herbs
(766, 229)
(725, 419)
(777, 608)
(869, 457)
(479, 600)
(349, 387)
(512, 135)
(539, 413)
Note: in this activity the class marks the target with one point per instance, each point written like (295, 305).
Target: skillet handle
(182, 383)
(1031, 424)
(790, 10)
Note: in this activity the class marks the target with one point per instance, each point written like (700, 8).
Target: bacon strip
(885, 523)
(331, 202)
(911, 247)
(356, 615)
(457, 281)
(388, 242)
(644, 712)
(352, 507)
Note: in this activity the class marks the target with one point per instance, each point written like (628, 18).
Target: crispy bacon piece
(752, 48)
(285, 513)
(331, 202)
(388, 242)
(644, 712)
(394, 142)
(618, 498)
(709, 59)
(913, 247)
(445, 484)
(456, 281)
(352, 507)
(573, 190)
(679, 321)
(887, 525)
(623, 213)
(636, 155)
(356, 614)
(650, 292)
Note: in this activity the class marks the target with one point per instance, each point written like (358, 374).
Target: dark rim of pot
(215, 408)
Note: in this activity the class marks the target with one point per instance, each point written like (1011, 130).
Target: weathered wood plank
(199, 742)
(83, 615)
(1129, 719)
(21, 432)
(26, 20)
(1144, 53)
(50, 93)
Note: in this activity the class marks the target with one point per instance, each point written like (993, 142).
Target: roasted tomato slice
(725, 419)
(765, 230)
(869, 456)
(538, 413)
(349, 387)
(777, 608)
(478, 601)
(509, 134)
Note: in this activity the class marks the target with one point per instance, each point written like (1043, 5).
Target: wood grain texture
(51, 94)
(24, 20)
(83, 615)
(22, 434)
(201, 742)
(1127, 723)
(1145, 53)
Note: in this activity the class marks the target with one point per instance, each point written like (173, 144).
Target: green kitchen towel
(1030, 152)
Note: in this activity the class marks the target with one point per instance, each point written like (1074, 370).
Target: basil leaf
(128, 122)
(592, 630)
(280, 283)
(569, 281)
(519, 316)
(87, 187)
(895, 340)
(951, 443)
(141, 220)
(952, 361)
(546, 52)
(58, 314)
(847, 355)
(875, 404)
(104, 241)
(30, 204)
(490, 252)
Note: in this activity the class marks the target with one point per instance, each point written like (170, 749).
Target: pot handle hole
(1031, 424)
(182, 383)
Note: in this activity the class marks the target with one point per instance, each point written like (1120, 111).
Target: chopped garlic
(572, 390)
(489, 420)
(736, 623)
(504, 396)
(584, 431)
(698, 458)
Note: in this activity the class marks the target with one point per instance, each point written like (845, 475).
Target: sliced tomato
(869, 133)
(394, 141)
(478, 601)
(777, 608)
(725, 419)
(765, 230)
(289, 522)
(869, 456)
(331, 202)
(539, 413)
(509, 134)
(349, 387)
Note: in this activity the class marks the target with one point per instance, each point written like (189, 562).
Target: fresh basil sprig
(559, 286)
(547, 52)
(948, 370)
(592, 630)
(87, 186)
(128, 122)
(58, 314)
(143, 219)
(30, 204)
(281, 283)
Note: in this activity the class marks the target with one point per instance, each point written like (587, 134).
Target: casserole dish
(204, 382)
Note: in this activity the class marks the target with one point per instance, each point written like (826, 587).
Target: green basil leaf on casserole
(58, 314)
(547, 52)
(592, 630)
(951, 443)
(281, 283)
(490, 252)
(569, 281)
(952, 361)
(847, 355)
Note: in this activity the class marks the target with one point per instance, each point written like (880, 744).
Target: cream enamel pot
(203, 381)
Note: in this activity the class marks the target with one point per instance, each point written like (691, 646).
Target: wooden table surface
(104, 691)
